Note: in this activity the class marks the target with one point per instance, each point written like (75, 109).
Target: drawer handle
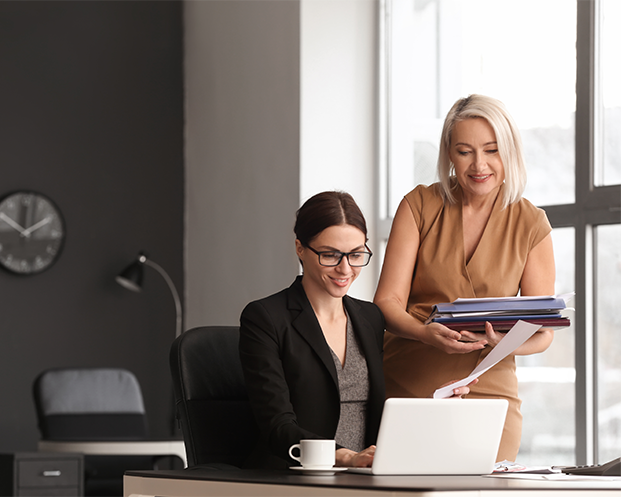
(53, 472)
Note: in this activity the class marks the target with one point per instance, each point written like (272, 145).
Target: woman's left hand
(459, 392)
(491, 336)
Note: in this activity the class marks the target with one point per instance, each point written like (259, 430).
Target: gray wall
(91, 114)
(242, 70)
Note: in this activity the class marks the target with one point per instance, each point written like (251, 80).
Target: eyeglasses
(332, 258)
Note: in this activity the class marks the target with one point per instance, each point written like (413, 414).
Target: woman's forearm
(402, 324)
(539, 342)
(398, 321)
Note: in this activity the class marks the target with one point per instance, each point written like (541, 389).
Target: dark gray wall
(91, 114)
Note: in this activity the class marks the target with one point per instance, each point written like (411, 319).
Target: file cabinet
(35, 474)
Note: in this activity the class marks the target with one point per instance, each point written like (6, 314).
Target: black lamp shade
(131, 276)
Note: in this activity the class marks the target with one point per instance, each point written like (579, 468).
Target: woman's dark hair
(327, 209)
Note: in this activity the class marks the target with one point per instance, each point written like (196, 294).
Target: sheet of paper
(515, 337)
(565, 296)
(554, 477)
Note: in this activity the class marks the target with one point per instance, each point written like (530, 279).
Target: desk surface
(205, 482)
(132, 448)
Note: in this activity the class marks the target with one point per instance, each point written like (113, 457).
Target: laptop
(438, 437)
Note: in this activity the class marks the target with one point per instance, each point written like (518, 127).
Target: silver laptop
(438, 437)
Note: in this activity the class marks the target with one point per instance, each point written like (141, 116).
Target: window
(547, 380)
(608, 260)
(562, 83)
(441, 50)
(610, 84)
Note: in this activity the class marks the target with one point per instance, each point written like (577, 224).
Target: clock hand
(36, 226)
(13, 224)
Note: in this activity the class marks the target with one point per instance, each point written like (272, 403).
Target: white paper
(515, 337)
(510, 312)
(565, 296)
(553, 477)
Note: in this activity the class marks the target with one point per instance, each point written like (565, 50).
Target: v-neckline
(459, 200)
(335, 357)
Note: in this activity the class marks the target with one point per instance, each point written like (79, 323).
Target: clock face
(32, 232)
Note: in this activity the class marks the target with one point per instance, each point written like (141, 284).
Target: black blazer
(290, 374)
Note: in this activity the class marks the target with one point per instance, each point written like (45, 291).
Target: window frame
(594, 206)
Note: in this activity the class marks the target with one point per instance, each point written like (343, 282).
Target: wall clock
(32, 232)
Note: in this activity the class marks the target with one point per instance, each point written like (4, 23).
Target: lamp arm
(173, 290)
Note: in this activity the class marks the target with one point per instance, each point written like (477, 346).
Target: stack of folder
(502, 313)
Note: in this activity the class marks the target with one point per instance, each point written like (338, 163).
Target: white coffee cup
(315, 454)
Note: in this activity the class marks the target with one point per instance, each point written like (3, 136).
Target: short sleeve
(425, 202)
(537, 220)
(415, 201)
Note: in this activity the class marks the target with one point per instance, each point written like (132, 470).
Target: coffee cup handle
(291, 452)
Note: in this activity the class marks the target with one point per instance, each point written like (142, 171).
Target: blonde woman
(469, 235)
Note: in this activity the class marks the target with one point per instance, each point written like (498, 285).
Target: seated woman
(312, 355)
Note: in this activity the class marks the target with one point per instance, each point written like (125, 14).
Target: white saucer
(318, 471)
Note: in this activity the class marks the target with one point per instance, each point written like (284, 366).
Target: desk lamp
(131, 278)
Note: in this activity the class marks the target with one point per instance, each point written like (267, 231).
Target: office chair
(94, 404)
(219, 429)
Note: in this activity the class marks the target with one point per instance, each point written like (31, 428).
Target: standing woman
(470, 235)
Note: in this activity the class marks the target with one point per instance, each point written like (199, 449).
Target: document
(521, 332)
(514, 307)
(566, 297)
(552, 476)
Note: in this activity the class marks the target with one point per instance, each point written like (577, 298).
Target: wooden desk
(134, 448)
(254, 483)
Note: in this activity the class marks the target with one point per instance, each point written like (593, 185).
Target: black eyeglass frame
(343, 254)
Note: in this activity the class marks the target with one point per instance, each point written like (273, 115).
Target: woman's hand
(491, 337)
(350, 459)
(448, 340)
(459, 392)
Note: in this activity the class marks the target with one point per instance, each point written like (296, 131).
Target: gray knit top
(353, 379)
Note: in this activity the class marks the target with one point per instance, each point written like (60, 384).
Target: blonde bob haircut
(507, 138)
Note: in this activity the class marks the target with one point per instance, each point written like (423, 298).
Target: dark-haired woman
(312, 355)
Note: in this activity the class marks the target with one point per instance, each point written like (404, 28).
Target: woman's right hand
(346, 458)
(394, 287)
(447, 340)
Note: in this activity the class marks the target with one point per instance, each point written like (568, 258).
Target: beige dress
(414, 369)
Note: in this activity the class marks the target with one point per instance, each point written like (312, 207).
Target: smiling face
(474, 153)
(321, 281)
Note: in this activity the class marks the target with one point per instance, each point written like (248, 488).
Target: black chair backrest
(89, 404)
(212, 404)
